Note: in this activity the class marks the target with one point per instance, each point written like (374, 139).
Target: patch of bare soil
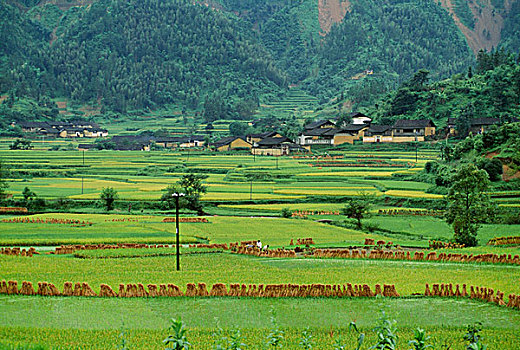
(488, 23)
(509, 174)
(331, 12)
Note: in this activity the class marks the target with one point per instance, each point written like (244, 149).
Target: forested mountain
(490, 90)
(226, 56)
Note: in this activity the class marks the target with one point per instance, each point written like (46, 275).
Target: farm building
(402, 131)
(230, 143)
(255, 138)
(277, 146)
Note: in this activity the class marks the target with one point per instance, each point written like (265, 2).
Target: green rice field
(238, 209)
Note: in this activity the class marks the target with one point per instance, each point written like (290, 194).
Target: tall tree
(3, 182)
(108, 196)
(468, 203)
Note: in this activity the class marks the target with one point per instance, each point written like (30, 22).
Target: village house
(377, 134)
(194, 141)
(350, 133)
(230, 143)
(255, 138)
(277, 146)
(403, 130)
(76, 129)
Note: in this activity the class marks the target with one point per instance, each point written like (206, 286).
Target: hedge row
(482, 293)
(417, 256)
(133, 290)
(18, 252)
(504, 241)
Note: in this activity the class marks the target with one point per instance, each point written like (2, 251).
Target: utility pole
(250, 189)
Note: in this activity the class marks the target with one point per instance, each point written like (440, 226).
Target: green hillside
(230, 56)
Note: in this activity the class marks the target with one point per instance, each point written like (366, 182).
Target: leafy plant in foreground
(177, 340)
(386, 334)
(473, 337)
(420, 339)
(306, 342)
(276, 335)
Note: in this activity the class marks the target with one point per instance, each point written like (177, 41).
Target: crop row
(504, 240)
(417, 256)
(482, 293)
(133, 290)
(189, 220)
(13, 210)
(18, 252)
(53, 221)
(302, 213)
(358, 165)
(412, 212)
(70, 249)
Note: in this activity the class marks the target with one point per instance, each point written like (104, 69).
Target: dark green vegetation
(491, 90)
(135, 56)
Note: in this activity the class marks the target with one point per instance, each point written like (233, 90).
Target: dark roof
(49, 130)
(318, 124)
(263, 135)
(484, 121)
(379, 128)
(272, 141)
(87, 145)
(33, 125)
(420, 123)
(353, 127)
(226, 141)
(320, 132)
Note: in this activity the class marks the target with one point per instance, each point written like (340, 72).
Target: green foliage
(420, 340)
(275, 337)
(473, 337)
(358, 208)
(4, 185)
(468, 204)
(386, 334)
(306, 341)
(177, 339)
(464, 13)
(21, 144)
(108, 196)
(392, 38)
(286, 213)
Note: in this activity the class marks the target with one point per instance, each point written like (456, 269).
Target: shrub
(286, 213)
(177, 340)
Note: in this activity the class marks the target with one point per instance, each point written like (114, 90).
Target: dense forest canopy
(226, 56)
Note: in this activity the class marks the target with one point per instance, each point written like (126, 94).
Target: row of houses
(325, 132)
(74, 129)
(268, 144)
(146, 142)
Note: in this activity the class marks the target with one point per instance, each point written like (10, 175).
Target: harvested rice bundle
(378, 290)
(77, 290)
(12, 287)
(202, 290)
(191, 290)
(43, 289)
(163, 290)
(152, 291)
(174, 291)
(86, 291)
(218, 290)
(67, 289)
(107, 292)
(141, 292)
(27, 288)
(122, 291)
(53, 291)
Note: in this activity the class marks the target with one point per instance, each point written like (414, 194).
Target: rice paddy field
(313, 188)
